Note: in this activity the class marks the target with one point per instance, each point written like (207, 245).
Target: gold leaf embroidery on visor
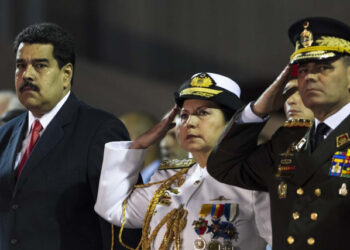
(200, 92)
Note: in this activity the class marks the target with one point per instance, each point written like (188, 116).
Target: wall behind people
(10, 106)
(106, 87)
(9, 100)
(151, 45)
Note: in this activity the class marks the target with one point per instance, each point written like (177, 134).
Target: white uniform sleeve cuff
(248, 116)
(120, 171)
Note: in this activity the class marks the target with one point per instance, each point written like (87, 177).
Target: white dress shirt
(44, 121)
(334, 120)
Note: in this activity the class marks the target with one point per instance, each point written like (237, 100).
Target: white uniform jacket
(120, 172)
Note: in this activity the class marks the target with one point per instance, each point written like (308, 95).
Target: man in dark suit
(50, 156)
(307, 176)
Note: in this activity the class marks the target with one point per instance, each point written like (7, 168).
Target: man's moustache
(29, 85)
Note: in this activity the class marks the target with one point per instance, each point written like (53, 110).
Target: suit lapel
(13, 147)
(49, 139)
(308, 163)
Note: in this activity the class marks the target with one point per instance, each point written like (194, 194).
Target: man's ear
(67, 75)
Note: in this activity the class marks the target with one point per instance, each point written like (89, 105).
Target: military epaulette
(303, 123)
(176, 164)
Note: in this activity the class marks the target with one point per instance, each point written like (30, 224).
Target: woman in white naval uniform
(183, 207)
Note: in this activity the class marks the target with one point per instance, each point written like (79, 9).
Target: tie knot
(322, 129)
(37, 127)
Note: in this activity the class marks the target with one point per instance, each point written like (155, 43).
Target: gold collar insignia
(342, 139)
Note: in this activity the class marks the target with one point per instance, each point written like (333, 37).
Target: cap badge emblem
(201, 80)
(306, 37)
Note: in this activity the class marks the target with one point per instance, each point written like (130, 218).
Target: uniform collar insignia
(300, 145)
(176, 164)
(342, 139)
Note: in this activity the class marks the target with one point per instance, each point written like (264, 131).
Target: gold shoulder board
(298, 123)
(176, 164)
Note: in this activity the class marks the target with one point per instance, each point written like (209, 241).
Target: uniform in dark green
(310, 205)
(313, 211)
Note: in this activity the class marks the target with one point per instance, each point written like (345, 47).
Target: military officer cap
(319, 38)
(210, 86)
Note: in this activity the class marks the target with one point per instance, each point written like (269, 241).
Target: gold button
(310, 241)
(314, 216)
(296, 215)
(290, 240)
(300, 191)
(318, 192)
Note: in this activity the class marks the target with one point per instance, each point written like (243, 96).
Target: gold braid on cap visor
(205, 92)
(330, 44)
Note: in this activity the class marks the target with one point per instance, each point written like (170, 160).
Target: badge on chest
(340, 166)
(286, 166)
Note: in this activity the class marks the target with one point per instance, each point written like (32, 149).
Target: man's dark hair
(49, 33)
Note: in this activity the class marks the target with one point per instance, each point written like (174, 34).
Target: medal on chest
(201, 226)
(218, 228)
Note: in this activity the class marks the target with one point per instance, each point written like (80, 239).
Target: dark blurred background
(133, 54)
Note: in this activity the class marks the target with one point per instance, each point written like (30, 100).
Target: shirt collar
(47, 118)
(198, 171)
(334, 120)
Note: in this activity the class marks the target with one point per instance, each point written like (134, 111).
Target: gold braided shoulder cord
(175, 219)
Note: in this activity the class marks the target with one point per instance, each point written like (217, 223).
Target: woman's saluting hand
(157, 132)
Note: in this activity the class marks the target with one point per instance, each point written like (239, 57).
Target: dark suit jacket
(50, 207)
(312, 215)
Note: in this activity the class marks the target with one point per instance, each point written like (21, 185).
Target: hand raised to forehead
(273, 98)
(157, 132)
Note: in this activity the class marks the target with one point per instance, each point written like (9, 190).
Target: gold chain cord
(176, 219)
(112, 238)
